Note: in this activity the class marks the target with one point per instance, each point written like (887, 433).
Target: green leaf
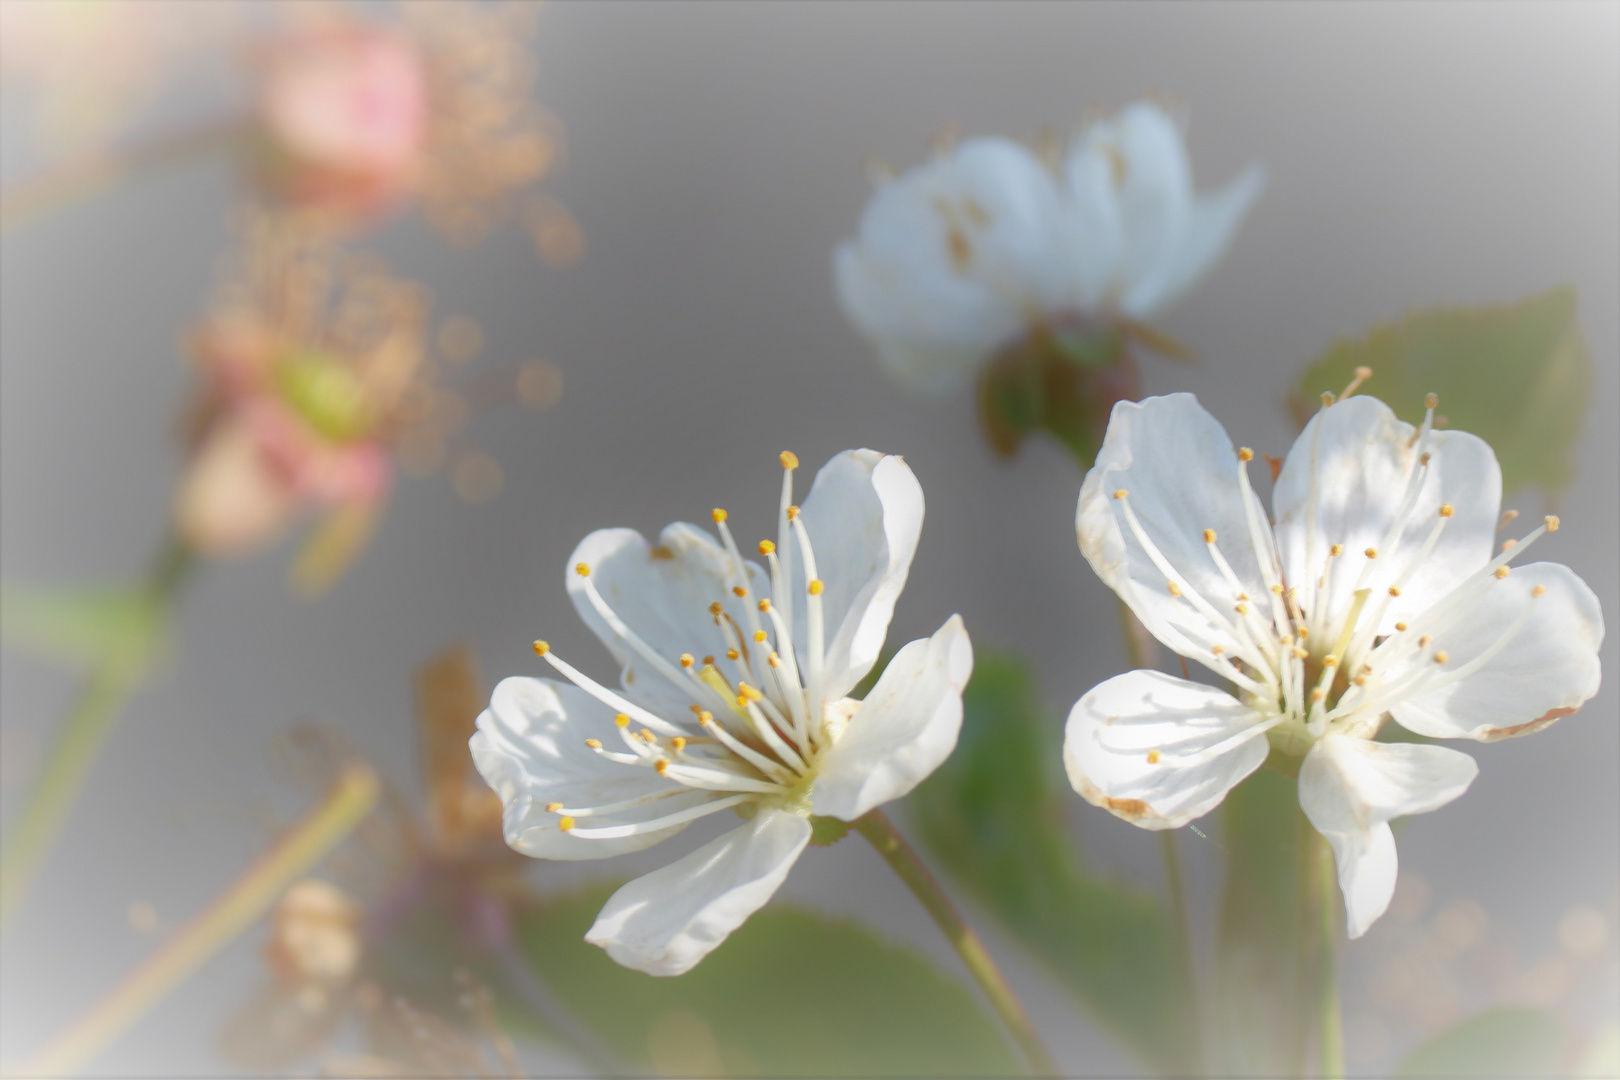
(84, 626)
(1515, 1041)
(1517, 375)
(790, 993)
(992, 816)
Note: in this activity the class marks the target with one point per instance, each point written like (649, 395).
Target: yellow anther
(687, 659)
(1423, 642)
(1446, 510)
(1304, 632)
(1301, 654)
(708, 661)
(759, 635)
(1507, 518)
(1120, 493)
(1153, 757)
(678, 743)
(1209, 536)
(647, 736)
(1360, 680)
(594, 744)
(715, 609)
(1423, 458)
(1245, 454)
(553, 807)
(1318, 694)
(1217, 649)
(1551, 521)
(623, 719)
(541, 648)
(1431, 401)
(766, 547)
(1371, 553)
(765, 604)
(1502, 572)
(1539, 590)
(739, 591)
(718, 514)
(1336, 550)
(774, 660)
(1442, 656)
(1330, 661)
(1241, 609)
(661, 766)
(705, 717)
(732, 654)
(817, 587)
(582, 569)
(1327, 398)
(1400, 627)
(565, 823)
(793, 512)
(1509, 545)
(789, 459)
(1175, 590)
(1394, 590)
(748, 693)
(1277, 589)
(1243, 596)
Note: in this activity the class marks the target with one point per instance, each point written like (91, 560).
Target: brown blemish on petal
(1130, 809)
(1529, 727)
(662, 552)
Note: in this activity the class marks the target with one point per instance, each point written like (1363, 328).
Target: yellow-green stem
(880, 831)
(1183, 942)
(298, 850)
(78, 741)
(1329, 1025)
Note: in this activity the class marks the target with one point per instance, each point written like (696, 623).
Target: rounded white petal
(1160, 751)
(530, 748)
(1180, 472)
(1211, 224)
(955, 254)
(1098, 255)
(665, 922)
(1346, 480)
(1546, 670)
(662, 593)
(864, 515)
(1351, 788)
(904, 729)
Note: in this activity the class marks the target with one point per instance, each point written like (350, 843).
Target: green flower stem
(78, 742)
(880, 831)
(1329, 1024)
(1182, 928)
(297, 851)
(82, 177)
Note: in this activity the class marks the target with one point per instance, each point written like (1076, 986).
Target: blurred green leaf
(1501, 1042)
(1063, 382)
(1262, 1012)
(1517, 375)
(84, 626)
(789, 994)
(992, 816)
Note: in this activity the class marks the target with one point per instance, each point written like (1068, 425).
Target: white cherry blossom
(1375, 595)
(733, 696)
(969, 253)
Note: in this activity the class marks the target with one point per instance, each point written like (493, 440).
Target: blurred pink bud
(344, 110)
(233, 497)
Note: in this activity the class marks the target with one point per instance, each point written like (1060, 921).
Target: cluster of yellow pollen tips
(1245, 454)
(1330, 661)
(767, 548)
(817, 587)
(1217, 649)
(774, 660)
(1400, 627)
(1304, 632)
(1423, 642)
(705, 717)
(541, 648)
(1442, 656)
(1509, 544)
(565, 823)
(1336, 550)
(1539, 590)
(759, 636)
(1209, 536)
(1327, 398)
(738, 591)
(1394, 590)
(1431, 401)
(789, 459)
(1301, 654)
(1507, 518)
(1175, 590)
(732, 654)
(1241, 609)
(1277, 589)
(1551, 521)
(1153, 757)
(582, 569)
(1502, 572)
(1446, 510)
(1120, 493)
(718, 514)
(793, 512)
(1371, 553)
(1360, 680)
(716, 609)
(678, 743)
(708, 661)
(661, 766)
(623, 719)
(765, 605)
(687, 659)
(746, 693)
(553, 807)
(594, 744)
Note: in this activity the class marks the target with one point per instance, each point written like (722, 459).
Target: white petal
(1181, 473)
(1351, 788)
(1160, 751)
(665, 922)
(530, 748)
(1211, 224)
(1344, 483)
(1547, 670)
(662, 593)
(904, 729)
(1098, 255)
(955, 254)
(864, 515)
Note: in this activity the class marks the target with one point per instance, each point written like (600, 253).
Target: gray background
(1418, 154)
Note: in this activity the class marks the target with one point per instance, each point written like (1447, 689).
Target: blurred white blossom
(1375, 595)
(733, 696)
(988, 243)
